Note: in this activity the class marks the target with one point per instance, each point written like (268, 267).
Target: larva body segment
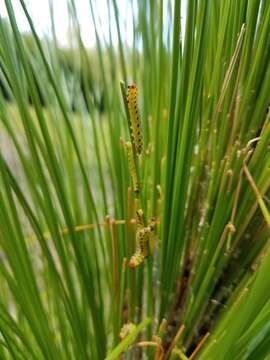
(132, 167)
(142, 247)
(151, 225)
(150, 235)
(132, 93)
(136, 259)
(139, 219)
(142, 240)
(144, 235)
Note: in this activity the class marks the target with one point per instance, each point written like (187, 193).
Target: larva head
(139, 218)
(139, 213)
(135, 260)
(132, 87)
(132, 263)
(132, 93)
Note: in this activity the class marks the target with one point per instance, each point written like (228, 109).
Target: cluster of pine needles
(134, 221)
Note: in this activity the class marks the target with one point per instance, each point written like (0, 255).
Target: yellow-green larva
(141, 249)
(143, 236)
(137, 136)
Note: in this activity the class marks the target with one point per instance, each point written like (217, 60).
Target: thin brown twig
(199, 346)
(252, 183)
(258, 195)
(174, 341)
(160, 350)
(229, 228)
(231, 68)
(236, 198)
(83, 227)
(148, 343)
(251, 212)
(159, 353)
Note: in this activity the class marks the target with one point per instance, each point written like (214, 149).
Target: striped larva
(143, 236)
(132, 93)
(141, 249)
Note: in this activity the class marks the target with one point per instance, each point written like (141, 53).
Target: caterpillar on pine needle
(136, 130)
(143, 235)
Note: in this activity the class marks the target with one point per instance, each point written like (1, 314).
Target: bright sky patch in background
(40, 13)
